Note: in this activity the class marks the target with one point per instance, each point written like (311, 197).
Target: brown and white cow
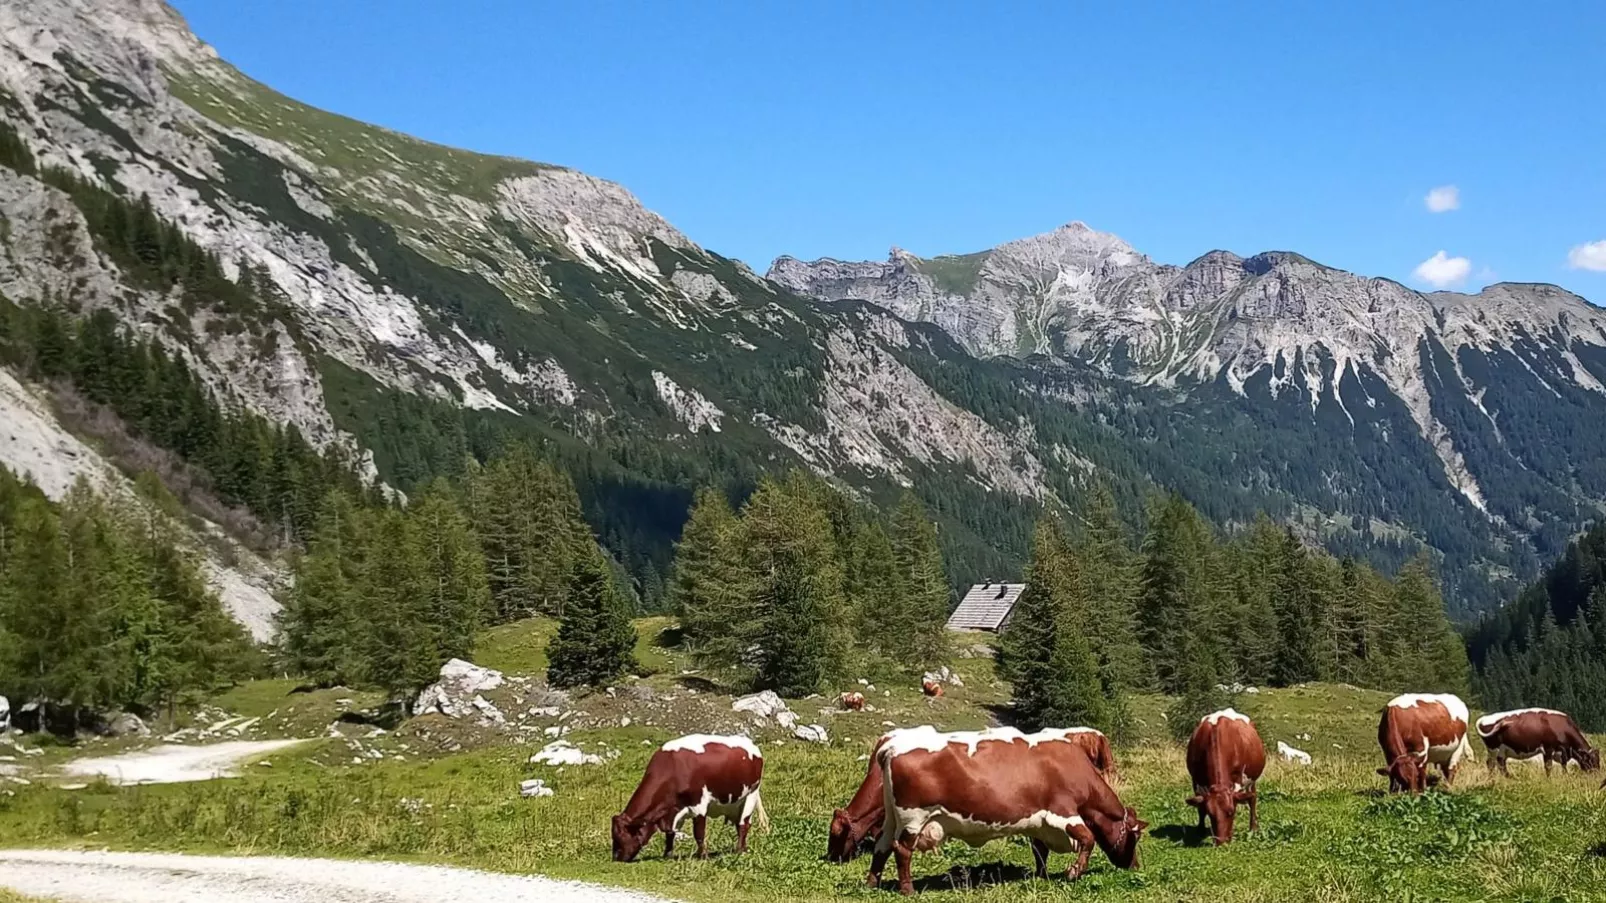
(700, 776)
(1526, 733)
(861, 821)
(852, 702)
(930, 687)
(1225, 760)
(977, 786)
(1418, 730)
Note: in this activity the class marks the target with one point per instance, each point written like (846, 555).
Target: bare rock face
(457, 693)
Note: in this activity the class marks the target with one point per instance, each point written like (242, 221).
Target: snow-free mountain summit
(417, 304)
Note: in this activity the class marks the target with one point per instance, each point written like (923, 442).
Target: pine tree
(398, 641)
(595, 643)
(1299, 615)
(875, 595)
(459, 594)
(799, 636)
(1181, 589)
(1432, 648)
(1110, 572)
(1254, 562)
(321, 618)
(1044, 651)
(922, 584)
(709, 585)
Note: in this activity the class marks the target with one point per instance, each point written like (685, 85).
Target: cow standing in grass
(861, 821)
(1525, 733)
(699, 776)
(977, 786)
(1418, 730)
(1225, 760)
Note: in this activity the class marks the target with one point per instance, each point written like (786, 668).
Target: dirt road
(175, 764)
(100, 877)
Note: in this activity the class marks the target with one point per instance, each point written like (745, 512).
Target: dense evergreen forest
(1548, 648)
(102, 607)
(1187, 612)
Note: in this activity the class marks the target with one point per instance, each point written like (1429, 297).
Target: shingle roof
(986, 606)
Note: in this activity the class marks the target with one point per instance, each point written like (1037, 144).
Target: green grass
(520, 647)
(7, 896)
(1328, 832)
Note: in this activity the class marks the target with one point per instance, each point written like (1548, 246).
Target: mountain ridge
(418, 305)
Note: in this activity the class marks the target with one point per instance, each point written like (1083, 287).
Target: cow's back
(1423, 725)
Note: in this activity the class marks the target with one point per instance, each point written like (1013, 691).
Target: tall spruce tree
(1044, 652)
(709, 587)
(922, 584)
(876, 596)
(459, 600)
(1299, 611)
(1109, 570)
(799, 635)
(1181, 589)
(595, 643)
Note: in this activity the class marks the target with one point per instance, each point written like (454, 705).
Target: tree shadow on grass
(1185, 835)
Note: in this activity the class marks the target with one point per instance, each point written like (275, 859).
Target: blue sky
(841, 129)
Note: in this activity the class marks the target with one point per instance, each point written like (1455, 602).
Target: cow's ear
(1383, 771)
(1195, 801)
(1140, 827)
(1241, 796)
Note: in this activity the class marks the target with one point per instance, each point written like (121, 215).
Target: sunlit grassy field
(1328, 833)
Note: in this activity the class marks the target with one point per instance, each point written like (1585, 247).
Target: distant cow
(977, 786)
(1225, 760)
(1418, 730)
(853, 702)
(861, 821)
(700, 776)
(1525, 733)
(930, 687)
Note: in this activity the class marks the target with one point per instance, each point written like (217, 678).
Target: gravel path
(175, 764)
(102, 877)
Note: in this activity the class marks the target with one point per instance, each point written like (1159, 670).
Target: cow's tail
(889, 807)
(760, 817)
(1487, 726)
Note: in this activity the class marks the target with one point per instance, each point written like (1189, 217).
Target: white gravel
(175, 764)
(102, 877)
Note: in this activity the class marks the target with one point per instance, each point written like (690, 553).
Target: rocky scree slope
(1501, 386)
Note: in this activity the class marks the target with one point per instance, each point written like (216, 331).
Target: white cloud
(1442, 271)
(1443, 199)
(1590, 255)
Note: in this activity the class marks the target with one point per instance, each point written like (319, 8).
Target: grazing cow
(853, 702)
(1225, 760)
(696, 775)
(1525, 733)
(860, 822)
(931, 687)
(977, 786)
(1418, 730)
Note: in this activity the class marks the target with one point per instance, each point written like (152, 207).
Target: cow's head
(1220, 804)
(1406, 774)
(1588, 759)
(845, 837)
(1123, 846)
(628, 838)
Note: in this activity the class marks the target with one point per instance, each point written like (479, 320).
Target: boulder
(535, 787)
(944, 675)
(1290, 754)
(813, 733)
(562, 752)
(126, 724)
(455, 693)
(760, 705)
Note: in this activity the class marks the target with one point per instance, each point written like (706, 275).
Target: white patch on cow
(935, 825)
(1489, 723)
(1451, 703)
(928, 739)
(1215, 717)
(736, 811)
(697, 743)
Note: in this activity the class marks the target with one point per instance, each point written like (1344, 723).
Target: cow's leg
(1254, 807)
(1083, 838)
(699, 830)
(878, 861)
(1040, 857)
(669, 843)
(1504, 769)
(741, 835)
(903, 849)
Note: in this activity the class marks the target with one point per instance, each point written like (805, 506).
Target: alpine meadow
(365, 498)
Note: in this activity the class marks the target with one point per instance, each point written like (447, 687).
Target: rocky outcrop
(457, 693)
